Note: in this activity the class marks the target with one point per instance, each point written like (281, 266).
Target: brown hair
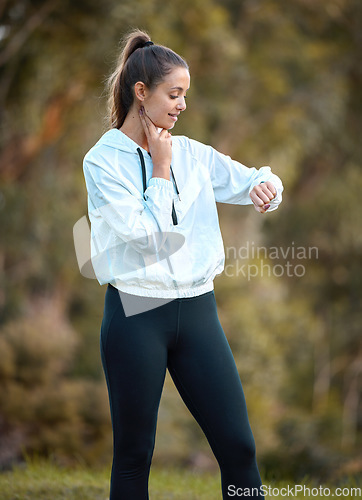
(136, 62)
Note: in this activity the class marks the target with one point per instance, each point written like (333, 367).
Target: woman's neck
(132, 127)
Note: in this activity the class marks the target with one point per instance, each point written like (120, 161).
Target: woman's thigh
(204, 371)
(134, 357)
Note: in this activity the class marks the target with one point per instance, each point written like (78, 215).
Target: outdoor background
(273, 82)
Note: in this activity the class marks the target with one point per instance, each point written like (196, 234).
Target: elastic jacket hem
(165, 294)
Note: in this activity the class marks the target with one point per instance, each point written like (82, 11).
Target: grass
(45, 481)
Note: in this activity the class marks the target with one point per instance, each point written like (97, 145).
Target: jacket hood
(116, 139)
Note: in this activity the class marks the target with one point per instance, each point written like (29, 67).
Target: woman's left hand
(261, 195)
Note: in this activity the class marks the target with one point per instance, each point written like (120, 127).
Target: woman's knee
(134, 452)
(239, 450)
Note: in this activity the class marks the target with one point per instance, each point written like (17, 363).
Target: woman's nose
(181, 106)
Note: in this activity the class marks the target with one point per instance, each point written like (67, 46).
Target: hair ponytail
(137, 63)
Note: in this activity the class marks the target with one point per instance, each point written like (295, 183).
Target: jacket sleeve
(133, 220)
(232, 181)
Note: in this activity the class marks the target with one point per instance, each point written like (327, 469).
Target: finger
(271, 188)
(165, 134)
(259, 196)
(262, 209)
(144, 122)
(151, 126)
(263, 190)
(258, 203)
(148, 125)
(268, 192)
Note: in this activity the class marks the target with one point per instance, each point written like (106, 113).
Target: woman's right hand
(160, 145)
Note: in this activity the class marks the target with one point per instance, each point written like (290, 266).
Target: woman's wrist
(161, 171)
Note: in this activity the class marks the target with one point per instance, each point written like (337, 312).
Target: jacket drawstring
(174, 180)
(174, 216)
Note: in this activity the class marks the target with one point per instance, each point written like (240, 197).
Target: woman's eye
(176, 96)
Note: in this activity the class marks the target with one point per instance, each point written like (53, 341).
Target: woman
(156, 241)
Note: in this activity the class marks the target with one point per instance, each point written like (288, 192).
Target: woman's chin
(165, 125)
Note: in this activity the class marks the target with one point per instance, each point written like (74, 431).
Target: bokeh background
(272, 83)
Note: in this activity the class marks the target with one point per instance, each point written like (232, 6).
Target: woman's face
(165, 102)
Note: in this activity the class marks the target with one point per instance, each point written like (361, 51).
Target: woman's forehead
(177, 79)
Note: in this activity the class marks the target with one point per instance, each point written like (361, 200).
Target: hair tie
(148, 43)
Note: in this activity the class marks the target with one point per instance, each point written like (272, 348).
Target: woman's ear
(140, 91)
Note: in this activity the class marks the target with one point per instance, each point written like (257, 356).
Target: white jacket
(135, 245)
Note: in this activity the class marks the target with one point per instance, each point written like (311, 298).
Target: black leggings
(186, 337)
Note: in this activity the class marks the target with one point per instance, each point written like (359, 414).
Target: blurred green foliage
(272, 82)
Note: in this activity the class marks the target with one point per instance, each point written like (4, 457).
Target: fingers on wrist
(259, 204)
(269, 187)
(264, 193)
(259, 209)
(260, 199)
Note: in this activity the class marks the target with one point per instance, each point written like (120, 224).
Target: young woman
(156, 241)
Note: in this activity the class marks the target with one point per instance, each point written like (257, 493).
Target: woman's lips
(174, 117)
